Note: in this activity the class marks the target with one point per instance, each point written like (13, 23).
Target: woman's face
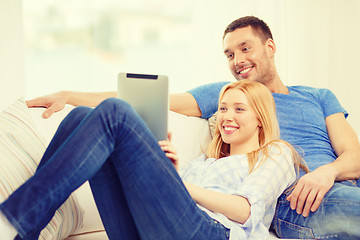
(238, 123)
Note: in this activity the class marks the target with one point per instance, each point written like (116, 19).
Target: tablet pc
(149, 96)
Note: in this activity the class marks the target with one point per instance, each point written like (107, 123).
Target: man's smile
(244, 72)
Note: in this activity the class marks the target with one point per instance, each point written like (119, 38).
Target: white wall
(344, 55)
(322, 49)
(12, 83)
(317, 45)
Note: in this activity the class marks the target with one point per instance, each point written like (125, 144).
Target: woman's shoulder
(281, 152)
(278, 147)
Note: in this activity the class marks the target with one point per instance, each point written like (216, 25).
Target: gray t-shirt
(301, 115)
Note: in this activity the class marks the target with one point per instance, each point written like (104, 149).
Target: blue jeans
(137, 190)
(338, 216)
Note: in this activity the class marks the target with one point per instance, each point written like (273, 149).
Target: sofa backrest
(190, 135)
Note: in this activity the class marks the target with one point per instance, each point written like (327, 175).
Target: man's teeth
(245, 70)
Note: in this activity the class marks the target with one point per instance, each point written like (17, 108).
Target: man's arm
(57, 101)
(313, 186)
(346, 144)
(183, 103)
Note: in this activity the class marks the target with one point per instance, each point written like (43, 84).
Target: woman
(138, 191)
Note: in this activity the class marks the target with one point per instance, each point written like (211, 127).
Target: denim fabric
(137, 190)
(338, 216)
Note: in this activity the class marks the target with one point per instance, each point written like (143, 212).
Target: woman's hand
(170, 151)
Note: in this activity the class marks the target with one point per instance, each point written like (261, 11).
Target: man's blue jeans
(338, 216)
(136, 188)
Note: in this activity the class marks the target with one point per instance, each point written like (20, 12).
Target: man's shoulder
(304, 88)
(214, 86)
(316, 92)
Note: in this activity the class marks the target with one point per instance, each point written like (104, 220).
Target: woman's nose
(228, 116)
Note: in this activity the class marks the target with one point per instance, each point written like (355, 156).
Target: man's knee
(341, 210)
(337, 217)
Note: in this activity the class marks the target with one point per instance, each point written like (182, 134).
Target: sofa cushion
(190, 136)
(21, 149)
(212, 124)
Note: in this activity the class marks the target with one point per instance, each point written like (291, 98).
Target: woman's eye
(222, 109)
(229, 56)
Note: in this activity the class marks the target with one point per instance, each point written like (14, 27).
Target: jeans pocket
(291, 230)
(224, 232)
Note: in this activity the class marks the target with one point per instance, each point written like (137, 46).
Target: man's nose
(239, 59)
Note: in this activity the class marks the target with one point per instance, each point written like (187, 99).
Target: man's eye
(222, 109)
(229, 56)
(246, 49)
(239, 109)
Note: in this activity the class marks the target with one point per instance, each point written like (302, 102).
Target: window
(82, 45)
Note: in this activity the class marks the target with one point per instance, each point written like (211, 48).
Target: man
(323, 204)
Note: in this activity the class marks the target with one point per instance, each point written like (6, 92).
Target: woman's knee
(75, 116)
(80, 112)
(115, 105)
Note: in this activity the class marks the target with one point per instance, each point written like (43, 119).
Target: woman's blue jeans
(338, 216)
(137, 190)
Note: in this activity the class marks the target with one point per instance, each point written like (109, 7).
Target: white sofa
(190, 137)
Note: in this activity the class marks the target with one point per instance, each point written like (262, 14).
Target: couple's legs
(338, 216)
(32, 206)
(112, 204)
(137, 188)
(65, 129)
(68, 126)
(151, 201)
(140, 195)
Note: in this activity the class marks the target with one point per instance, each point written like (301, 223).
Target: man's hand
(54, 102)
(311, 189)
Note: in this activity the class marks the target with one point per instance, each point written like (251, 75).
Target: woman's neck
(244, 148)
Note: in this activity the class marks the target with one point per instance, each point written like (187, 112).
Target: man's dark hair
(258, 26)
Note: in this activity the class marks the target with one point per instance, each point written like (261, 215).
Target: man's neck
(277, 86)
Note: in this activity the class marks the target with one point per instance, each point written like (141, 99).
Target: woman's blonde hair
(262, 102)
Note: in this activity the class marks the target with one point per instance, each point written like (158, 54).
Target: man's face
(248, 57)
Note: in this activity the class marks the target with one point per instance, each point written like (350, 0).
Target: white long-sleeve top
(262, 187)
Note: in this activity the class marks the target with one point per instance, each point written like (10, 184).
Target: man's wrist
(66, 95)
(332, 170)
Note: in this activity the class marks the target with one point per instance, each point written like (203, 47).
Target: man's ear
(271, 47)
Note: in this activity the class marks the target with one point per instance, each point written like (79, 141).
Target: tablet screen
(149, 95)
